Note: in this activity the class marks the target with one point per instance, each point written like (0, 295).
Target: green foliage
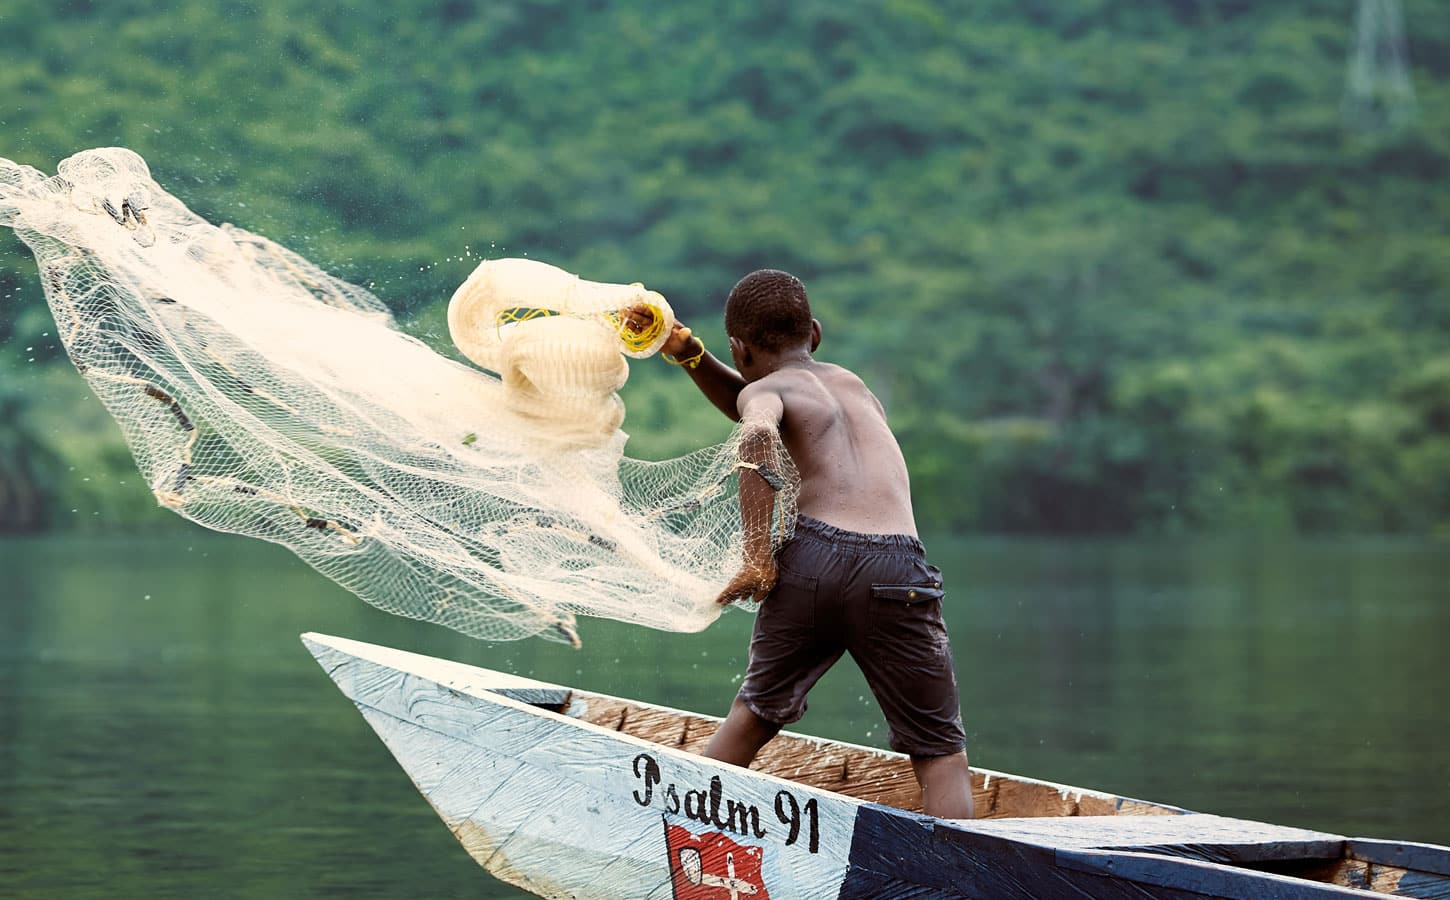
(1110, 265)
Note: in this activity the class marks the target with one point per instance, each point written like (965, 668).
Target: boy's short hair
(768, 309)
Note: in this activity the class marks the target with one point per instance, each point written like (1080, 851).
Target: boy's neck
(786, 360)
(769, 363)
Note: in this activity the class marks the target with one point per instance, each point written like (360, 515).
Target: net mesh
(261, 396)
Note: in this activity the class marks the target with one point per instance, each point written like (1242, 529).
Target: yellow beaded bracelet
(688, 362)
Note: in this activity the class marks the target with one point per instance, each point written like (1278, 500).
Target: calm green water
(163, 733)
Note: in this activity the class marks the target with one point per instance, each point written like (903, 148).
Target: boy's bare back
(853, 475)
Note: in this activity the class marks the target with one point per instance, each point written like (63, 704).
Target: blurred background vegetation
(1112, 266)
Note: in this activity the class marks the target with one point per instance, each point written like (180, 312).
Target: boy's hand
(638, 317)
(680, 343)
(750, 581)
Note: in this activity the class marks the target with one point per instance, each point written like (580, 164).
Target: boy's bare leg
(946, 785)
(740, 736)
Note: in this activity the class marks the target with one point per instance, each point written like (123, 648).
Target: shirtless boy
(854, 577)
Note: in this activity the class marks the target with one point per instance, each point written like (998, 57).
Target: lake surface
(163, 732)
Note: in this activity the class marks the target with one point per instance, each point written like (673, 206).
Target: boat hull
(561, 806)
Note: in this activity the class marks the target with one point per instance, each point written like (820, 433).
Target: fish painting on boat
(567, 793)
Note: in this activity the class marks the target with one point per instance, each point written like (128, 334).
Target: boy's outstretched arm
(720, 384)
(761, 450)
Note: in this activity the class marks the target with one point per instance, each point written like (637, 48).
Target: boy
(854, 577)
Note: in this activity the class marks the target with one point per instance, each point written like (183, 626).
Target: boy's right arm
(761, 452)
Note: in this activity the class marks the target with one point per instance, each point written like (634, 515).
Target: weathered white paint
(552, 803)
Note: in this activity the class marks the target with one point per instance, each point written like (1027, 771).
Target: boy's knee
(755, 717)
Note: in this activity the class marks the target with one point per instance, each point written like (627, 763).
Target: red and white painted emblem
(713, 867)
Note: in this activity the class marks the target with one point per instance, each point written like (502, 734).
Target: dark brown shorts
(874, 596)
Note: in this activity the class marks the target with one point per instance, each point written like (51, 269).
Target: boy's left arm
(761, 411)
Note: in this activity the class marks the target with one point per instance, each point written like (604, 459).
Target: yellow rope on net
(642, 340)
(634, 341)
(521, 314)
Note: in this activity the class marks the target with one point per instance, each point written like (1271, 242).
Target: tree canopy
(1111, 266)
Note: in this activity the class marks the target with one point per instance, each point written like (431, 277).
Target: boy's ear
(815, 334)
(740, 350)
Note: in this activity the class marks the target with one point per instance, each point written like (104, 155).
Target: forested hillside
(1110, 265)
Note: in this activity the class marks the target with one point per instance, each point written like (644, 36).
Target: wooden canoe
(566, 793)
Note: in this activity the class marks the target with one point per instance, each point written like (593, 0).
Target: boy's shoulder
(807, 386)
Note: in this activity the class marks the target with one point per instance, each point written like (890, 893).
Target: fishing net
(261, 396)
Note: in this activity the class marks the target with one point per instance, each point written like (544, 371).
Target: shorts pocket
(906, 621)
(908, 594)
(792, 602)
(921, 583)
(795, 579)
